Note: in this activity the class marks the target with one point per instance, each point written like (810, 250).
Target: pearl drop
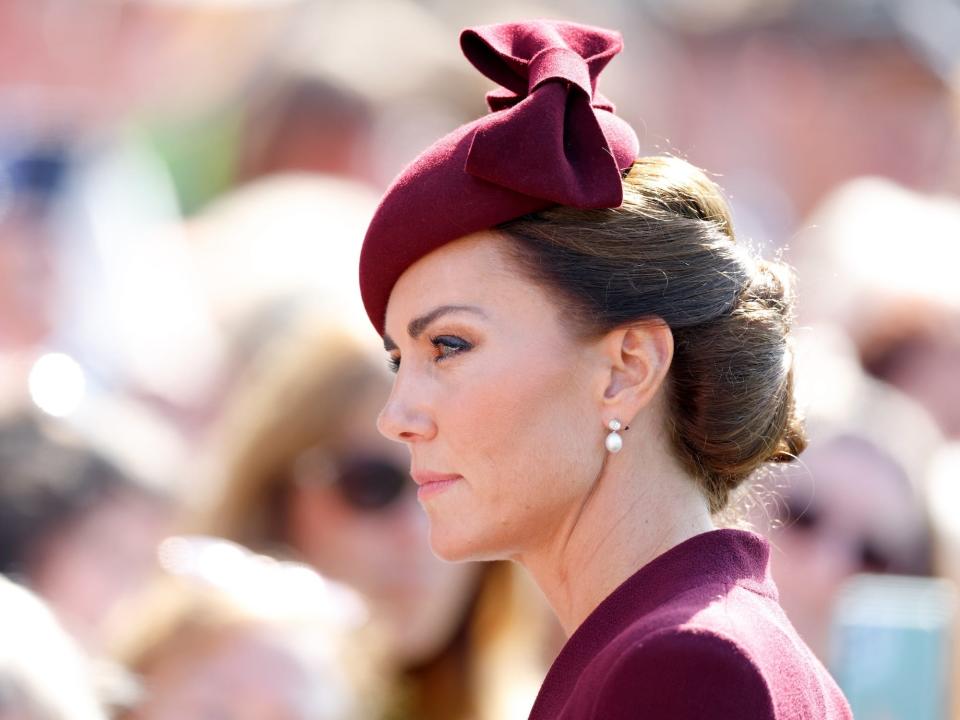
(614, 442)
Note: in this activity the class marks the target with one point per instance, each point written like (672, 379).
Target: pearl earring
(614, 442)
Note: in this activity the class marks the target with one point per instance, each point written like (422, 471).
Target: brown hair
(668, 252)
(291, 398)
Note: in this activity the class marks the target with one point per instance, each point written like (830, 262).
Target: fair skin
(493, 387)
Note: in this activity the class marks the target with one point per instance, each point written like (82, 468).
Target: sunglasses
(806, 518)
(366, 483)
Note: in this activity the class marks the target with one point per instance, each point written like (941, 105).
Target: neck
(624, 523)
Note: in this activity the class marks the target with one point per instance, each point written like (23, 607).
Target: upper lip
(424, 477)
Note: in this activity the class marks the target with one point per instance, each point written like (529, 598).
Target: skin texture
(504, 396)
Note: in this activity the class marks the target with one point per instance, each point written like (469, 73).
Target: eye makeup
(449, 346)
(445, 347)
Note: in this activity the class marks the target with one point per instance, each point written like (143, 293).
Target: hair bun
(668, 251)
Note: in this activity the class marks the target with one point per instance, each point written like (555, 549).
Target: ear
(639, 355)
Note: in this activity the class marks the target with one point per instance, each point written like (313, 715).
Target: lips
(431, 483)
(428, 477)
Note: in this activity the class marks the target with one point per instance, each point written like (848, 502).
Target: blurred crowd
(198, 518)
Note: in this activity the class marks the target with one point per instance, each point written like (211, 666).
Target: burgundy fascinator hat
(549, 139)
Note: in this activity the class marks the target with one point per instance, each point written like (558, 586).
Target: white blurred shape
(44, 672)
(283, 238)
(261, 584)
(57, 384)
(137, 302)
(873, 239)
(943, 488)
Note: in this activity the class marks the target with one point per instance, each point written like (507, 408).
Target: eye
(449, 345)
(393, 362)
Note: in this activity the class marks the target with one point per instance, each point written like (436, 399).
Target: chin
(458, 545)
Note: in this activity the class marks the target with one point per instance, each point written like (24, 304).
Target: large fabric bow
(565, 143)
(549, 140)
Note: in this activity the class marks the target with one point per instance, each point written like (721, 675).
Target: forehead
(474, 270)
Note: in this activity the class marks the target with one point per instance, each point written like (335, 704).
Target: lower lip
(428, 490)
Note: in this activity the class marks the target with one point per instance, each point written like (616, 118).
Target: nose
(403, 421)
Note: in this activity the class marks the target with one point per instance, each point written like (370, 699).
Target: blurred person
(404, 101)
(226, 633)
(857, 503)
(787, 100)
(540, 286)
(43, 674)
(916, 348)
(303, 123)
(74, 527)
(901, 309)
(307, 476)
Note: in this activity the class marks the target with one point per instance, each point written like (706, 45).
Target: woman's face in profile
(493, 391)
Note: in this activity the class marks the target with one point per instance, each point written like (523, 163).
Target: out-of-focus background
(198, 513)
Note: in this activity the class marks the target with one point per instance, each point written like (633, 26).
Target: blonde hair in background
(290, 398)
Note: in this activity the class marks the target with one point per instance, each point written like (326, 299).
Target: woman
(582, 388)
(306, 476)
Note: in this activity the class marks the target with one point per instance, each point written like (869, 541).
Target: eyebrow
(417, 325)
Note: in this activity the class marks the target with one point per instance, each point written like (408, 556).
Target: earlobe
(640, 356)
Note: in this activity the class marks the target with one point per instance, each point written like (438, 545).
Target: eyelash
(455, 345)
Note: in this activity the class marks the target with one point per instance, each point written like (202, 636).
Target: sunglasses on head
(366, 483)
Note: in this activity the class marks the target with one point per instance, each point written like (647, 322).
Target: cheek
(522, 435)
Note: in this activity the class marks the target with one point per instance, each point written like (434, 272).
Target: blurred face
(376, 541)
(239, 673)
(927, 370)
(847, 510)
(83, 571)
(493, 399)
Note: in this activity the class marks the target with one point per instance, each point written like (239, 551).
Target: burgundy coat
(696, 633)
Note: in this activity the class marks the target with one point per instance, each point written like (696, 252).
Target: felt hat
(549, 139)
